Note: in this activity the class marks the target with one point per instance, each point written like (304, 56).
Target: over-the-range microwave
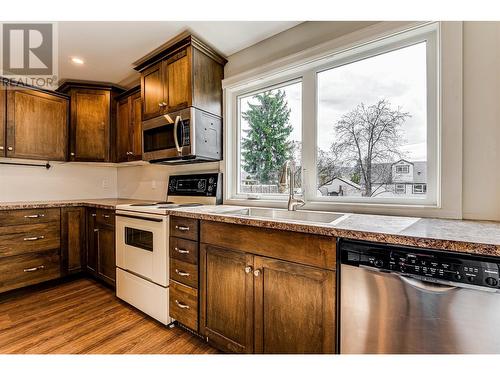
(188, 135)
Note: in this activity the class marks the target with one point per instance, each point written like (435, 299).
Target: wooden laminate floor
(83, 317)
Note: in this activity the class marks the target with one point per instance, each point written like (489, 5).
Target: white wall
(62, 181)
(288, 42)
(481, 140)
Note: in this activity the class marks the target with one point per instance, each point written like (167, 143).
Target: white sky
(398, 76)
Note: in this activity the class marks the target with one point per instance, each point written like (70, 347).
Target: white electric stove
(142, 234)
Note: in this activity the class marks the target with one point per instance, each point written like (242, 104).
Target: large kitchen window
(357, 125)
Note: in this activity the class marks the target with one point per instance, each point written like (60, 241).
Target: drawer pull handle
(34, 238)
(181, 273)
(106, 216)
(181, 305)
(93, 215)
(182, 228)
(36, 216)
(34, 269)
(248, 269)
(181, 251)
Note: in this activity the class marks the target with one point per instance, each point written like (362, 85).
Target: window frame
(307, 72)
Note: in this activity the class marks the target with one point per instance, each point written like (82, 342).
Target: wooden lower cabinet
(294, 308)
(101, 252)
(255, 304)
(226, 312)
(106, 255)
(73, 239)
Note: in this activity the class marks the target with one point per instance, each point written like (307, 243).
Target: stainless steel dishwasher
(409, 300)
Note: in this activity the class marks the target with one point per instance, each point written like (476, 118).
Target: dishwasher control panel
(424, 263)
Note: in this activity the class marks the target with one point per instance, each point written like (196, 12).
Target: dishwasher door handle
(427, 286)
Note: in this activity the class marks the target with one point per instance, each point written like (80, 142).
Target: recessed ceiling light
(77, 60)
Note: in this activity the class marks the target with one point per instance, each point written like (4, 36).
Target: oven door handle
(140, 218)
(176, 138)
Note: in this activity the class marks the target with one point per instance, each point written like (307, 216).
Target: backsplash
(62, 181)
(150, 181)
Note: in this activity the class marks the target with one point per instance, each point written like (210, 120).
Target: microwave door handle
(176, 138)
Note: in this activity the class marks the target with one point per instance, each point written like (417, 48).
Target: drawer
(106, 217)
(183, 272)
(28, 269)
(183, 305)
(22, 217)
(21, 239)
(184, 228)
(184, 250)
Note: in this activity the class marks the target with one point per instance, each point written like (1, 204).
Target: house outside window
(419, 188)
(400, 189)
(402, 169)
(309, 115)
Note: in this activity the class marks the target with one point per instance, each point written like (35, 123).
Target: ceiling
(110, 48)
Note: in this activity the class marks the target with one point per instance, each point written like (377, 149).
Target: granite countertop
(475, 237)
(106, 203)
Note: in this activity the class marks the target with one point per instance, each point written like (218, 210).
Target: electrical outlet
(105, 183)
(153, 184)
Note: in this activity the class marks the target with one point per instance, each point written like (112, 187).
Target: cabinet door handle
(36, 216)
(181, 251)
(9, 149)
(34, 238)
(248, 269)
(34, 269)
(181, 305)
(72, 153)
(1, 148)
(256, 273)
(106, 216)
(96, 230)
(182, 228)
(182, 273)
(93, 215)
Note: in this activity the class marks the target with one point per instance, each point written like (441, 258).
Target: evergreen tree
(265, 146)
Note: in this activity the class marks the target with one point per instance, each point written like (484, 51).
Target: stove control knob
(458, 277)
(378, 263)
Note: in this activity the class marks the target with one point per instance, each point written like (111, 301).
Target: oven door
(142, 245)
(168, 136)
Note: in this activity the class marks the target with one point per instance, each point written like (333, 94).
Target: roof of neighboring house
(344, 180)
(400, 160)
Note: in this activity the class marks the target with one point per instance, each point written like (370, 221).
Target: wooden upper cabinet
(181, 73)
(122, 129)
(93, 120)
(178, 78)
(294, 308)
(37, 124)
(152, 87)
(136, 124)
(128, 126)
(226, 312)
(3, 119)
